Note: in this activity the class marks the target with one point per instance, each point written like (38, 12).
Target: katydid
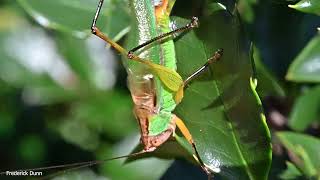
(156, 89)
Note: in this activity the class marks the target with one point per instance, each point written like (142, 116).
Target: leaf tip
(292, 6)
(288, 76)
(300, 5)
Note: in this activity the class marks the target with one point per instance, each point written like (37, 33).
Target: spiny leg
(96, 31)
(193, 24)
(186, 133)
(216, 56)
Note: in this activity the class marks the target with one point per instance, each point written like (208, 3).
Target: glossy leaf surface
(220, 108)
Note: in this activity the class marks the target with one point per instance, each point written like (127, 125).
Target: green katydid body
(156, 88)
(154, 102)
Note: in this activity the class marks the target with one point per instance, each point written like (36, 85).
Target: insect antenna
(73, 166)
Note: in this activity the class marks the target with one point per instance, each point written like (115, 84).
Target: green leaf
(7, 121)
(305, 67)
(32, 148)
(291, 172)
(305, 110)
(307, 6)
(305, 148)
(75, 16)
(221, 108)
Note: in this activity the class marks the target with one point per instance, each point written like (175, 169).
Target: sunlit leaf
(308, 6)
(306, 66)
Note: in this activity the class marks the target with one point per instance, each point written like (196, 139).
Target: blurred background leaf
(75, 16)
(304, 151)
(292, 172)
(306, 109)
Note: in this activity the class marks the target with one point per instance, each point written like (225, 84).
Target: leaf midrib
(238, 149)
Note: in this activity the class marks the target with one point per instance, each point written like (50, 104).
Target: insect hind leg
(186, 133)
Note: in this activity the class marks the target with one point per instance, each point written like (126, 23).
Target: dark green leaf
(221, 108)
(305, 110)
(32, 148)
(7, 121)
(305, 68)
